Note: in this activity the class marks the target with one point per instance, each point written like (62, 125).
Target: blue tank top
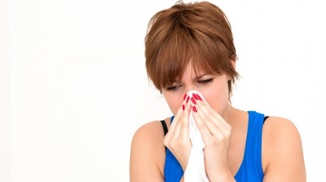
(251, 166)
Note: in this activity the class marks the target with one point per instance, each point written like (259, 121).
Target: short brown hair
(198, 33)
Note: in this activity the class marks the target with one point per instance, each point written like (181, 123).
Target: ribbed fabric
(251, 166)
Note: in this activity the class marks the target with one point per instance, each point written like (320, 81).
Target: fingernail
(183, 107)
(198, 97)
(184, 97)
(194, 108)
(187, 99)
(193, 100)
(195, 96)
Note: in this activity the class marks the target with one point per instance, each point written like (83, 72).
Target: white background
(73, 86)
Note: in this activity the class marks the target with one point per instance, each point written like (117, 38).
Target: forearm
(225, 177)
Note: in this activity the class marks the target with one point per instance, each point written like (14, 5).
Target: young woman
(190, 47)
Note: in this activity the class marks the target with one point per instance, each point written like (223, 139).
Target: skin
(223, 129)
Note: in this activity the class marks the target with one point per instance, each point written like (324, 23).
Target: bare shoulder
(278, 127)
(147, 153)
(282, 151)
(151, 133)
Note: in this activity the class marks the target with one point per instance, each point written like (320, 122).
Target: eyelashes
(205, 81)
(173, 88)
(176, 86)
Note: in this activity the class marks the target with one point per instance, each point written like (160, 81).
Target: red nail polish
(187, 99)
(184, 97)
(198, 97)
(193, 95)
(183, 107)
(193, 100)
(194, 108)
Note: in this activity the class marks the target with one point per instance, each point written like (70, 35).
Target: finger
(181, 128)
(202, 127)
(202, 103)
(184, 133)
(207, 126)
(211, 118)
(174, 129)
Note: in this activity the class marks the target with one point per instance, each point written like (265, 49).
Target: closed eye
(173, 87)
(205, 81)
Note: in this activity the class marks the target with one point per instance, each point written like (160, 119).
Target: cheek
(219, 104)
(174, 108)
(174, 102)
(217, 98)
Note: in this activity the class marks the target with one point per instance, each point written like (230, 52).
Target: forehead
(192, 70)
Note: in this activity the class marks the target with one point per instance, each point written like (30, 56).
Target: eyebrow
(200, 76)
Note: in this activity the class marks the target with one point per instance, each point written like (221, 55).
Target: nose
(189, 88)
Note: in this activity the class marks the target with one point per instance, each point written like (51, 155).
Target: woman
(190, 47)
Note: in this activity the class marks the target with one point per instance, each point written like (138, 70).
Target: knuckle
(166, 141)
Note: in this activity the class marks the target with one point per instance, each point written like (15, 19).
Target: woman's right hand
(177, 139)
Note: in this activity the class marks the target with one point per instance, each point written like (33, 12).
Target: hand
(177, 139)
(215, 132)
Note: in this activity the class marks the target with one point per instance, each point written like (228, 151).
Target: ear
(233, 61)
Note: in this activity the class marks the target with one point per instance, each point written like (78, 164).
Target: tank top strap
(165, 128)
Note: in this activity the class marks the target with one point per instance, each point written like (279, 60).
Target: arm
(282, 151)
(147, 154)
(216, 133)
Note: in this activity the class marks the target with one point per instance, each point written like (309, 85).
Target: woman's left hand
(215, 132)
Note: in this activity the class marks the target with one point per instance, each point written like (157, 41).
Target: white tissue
(195, 170)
